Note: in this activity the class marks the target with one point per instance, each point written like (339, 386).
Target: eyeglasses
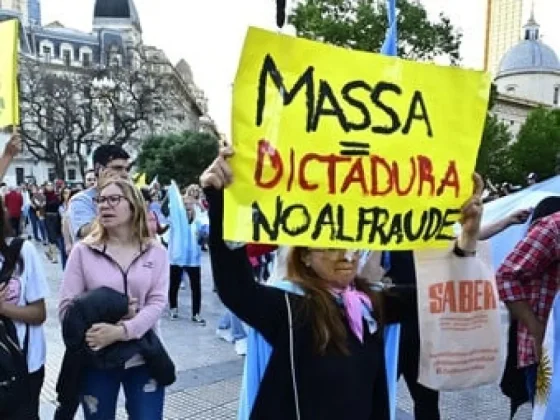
(111, 200)
(336, 253)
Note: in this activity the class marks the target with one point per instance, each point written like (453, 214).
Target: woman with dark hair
(53, 222)
(153, 222)
(37, 214)
(326, 329)
(22, 301)
(64, 198)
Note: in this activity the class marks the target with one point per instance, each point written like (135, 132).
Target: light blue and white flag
(178, 242)
(393, 331)
(547, 395)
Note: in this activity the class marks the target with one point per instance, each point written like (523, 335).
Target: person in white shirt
(22, 300)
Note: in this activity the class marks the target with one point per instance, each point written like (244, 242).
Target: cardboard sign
(9, 97)
(346, 149)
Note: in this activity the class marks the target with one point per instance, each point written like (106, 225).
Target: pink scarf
(354, 302)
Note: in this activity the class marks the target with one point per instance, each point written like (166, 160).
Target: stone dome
(117, 9)
(185, 70)
(530, 55)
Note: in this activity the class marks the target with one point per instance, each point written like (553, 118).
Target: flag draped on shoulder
(9, 96)
(547, 393)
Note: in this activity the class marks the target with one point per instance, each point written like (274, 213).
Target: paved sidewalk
(209, 371)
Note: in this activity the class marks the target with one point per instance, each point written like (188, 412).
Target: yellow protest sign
(339, 148)
(9, 97)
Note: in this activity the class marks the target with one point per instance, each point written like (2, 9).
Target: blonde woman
(119, 254)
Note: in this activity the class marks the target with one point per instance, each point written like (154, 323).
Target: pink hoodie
(89, 268)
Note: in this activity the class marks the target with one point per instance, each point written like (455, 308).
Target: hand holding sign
(471, 216)
(218, 175)
(13, 147)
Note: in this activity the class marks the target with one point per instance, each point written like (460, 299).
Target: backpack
(14, 375)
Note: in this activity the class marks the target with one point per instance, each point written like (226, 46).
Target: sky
(209, 33)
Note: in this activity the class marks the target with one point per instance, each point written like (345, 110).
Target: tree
(56, 119)
(494, 160)
(537, 145)
(160, 156)
(63, 111)
(362, 25)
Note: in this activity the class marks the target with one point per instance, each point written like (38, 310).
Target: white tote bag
(462, 343)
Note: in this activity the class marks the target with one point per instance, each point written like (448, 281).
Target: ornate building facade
(115, 41)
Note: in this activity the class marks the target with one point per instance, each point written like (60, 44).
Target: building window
(556, 98)
(86, 59)
(67, 57)
(52, 174)
(47, 53)
(71, 174)
(20, 176)
(115, 61)
(89, 147)
(510, 89)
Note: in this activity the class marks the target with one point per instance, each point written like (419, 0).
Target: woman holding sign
(322, 326)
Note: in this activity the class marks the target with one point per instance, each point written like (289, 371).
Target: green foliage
(181, 157)
(362, 25)
(494, 161)
(538, 145)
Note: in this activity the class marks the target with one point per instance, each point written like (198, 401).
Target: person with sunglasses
(109, 161)
(325, 325)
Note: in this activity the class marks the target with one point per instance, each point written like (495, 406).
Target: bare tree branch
(62, 111)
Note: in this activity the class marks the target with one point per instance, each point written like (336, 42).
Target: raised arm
(10, 151)
(262, 307)
(516, 218)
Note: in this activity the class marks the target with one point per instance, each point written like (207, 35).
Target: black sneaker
(198, 320)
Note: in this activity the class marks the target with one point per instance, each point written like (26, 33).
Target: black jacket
(109, 306)
(332, 386)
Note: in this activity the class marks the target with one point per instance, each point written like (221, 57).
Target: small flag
(390, 45)
(140, 181)
(547, 391)
(154, 182)
(9, 96)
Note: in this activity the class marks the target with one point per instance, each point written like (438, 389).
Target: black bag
(14, 376)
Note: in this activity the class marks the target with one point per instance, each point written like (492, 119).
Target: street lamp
(104, 86)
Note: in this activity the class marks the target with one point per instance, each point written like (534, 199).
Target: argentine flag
(547, 396)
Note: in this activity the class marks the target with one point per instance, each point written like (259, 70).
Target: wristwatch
(461, 252)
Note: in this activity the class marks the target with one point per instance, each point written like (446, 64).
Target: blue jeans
(34, 225)
(100, 390)
(62, 249)
(229, 320)
(43, 229)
